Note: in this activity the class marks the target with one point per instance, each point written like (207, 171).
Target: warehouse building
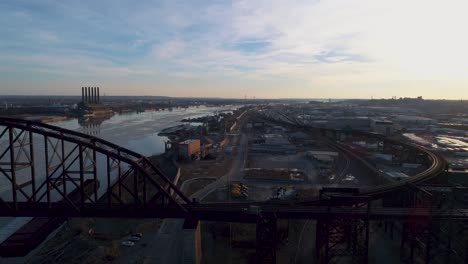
(189, 149)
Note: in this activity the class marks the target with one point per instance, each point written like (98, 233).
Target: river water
(135, 131)
(139, 131)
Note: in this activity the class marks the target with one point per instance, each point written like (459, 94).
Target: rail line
(437, 167)
(154, 178)
(139, 189)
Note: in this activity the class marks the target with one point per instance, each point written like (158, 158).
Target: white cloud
(169, 50)
(331, 44)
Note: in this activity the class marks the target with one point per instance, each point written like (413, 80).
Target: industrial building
(272, 143)
(91, 103)
(325, 159)
(384, 127)
(407, 121)
(356, 123)
(189, 148)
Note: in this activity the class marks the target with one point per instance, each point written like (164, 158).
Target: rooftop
(189, 141)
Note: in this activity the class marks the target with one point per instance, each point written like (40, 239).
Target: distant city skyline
(264, 49)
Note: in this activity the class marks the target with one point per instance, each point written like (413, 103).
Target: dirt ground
(89, 240)
(204, 168)
(266, 174)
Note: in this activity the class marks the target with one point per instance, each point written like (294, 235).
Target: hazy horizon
(354, 49)
(236, 98)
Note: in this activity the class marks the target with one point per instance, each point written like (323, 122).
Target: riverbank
(135, 131)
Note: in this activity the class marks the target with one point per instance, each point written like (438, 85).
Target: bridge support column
(345, 238)
(416, 243)
(191, 242)
(266, 240)
(432, 239)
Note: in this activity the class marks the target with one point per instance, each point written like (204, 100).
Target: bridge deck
(237, 212)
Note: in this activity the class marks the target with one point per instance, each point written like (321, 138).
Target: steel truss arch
(76, 170)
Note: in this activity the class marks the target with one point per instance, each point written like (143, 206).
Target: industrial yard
(260, 153)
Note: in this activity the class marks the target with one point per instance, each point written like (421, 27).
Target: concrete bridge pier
(191, 242)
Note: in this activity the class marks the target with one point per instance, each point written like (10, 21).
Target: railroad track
(437, 167)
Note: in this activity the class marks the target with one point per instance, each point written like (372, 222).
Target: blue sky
(269, 49)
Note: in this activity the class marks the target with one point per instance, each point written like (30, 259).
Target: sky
(253, 48)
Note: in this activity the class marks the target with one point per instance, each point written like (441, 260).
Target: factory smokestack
(95, 95)
(90, 95)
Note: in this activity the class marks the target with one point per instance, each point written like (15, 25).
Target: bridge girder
(41, 163)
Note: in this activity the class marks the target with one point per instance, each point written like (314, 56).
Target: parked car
(128, 243)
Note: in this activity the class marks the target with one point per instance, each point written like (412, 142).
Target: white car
(350, 178)
(134, 238)
(140, 235)
(128, 243)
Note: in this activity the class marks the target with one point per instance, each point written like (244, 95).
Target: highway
(235, 173)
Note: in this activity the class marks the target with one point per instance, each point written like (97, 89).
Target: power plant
(91, 105)
(90, 95)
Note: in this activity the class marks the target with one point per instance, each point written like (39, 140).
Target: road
(342, 168)
(305, 249)
(166, 246)
(236, 173)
